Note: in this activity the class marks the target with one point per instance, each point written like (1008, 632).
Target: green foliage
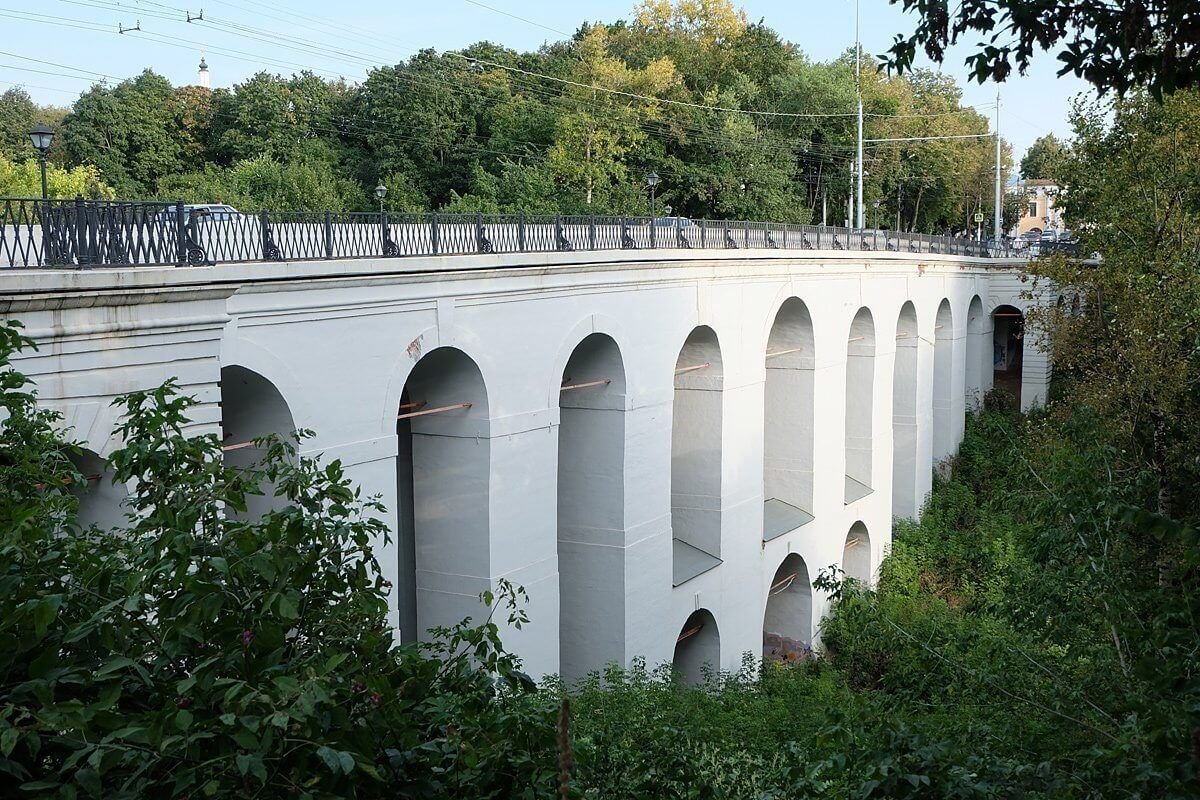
(472, 131)
(197, 653)
(24, 179)
(1044, 158)
(1114, 46)
(308, 182)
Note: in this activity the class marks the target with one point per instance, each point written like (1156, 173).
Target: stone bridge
(664, 448)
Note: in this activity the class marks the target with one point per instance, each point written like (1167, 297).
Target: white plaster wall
(338, 340)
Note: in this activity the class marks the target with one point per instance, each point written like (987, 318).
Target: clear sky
(80, 38)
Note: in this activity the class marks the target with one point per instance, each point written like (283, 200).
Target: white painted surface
(340, 341)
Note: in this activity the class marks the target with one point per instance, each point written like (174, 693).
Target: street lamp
(875, 205)
(381, 192)
(652, 180)
(42, 136)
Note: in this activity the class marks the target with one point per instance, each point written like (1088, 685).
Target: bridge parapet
(84, 233)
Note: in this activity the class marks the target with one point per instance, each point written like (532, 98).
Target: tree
(1128, 347)
(592, 141)
(1113, 46)
(18, 113)
(1043, 158)
(129, 132)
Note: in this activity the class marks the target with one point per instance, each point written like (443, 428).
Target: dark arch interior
(442, 478)
(101, 500)
(696, 428)
(1008, 349)
(787, 624)
(698, 647)
(251, 408)
(856, 554)
(591, 502)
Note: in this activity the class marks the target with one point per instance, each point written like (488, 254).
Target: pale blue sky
(81, 34)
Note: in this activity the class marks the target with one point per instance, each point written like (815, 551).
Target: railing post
(264, 233)
(180, 235)
(746, 235)
(653, 238)
(80, 224)
(521, 232)
(591, 233)
(328, 235)
(433, 232)
(478, 231)
(703, 234)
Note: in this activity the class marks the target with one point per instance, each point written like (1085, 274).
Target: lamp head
(41, 136)
(381, 191)
(652, 179)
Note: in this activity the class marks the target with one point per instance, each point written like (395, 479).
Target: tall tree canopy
(737, 121)
(1151, 44)
(1044, 158)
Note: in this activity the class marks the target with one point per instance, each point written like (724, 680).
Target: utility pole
(998, 216)
(858, 91)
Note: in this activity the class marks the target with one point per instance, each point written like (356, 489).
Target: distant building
(203, 80)
(1039, 211)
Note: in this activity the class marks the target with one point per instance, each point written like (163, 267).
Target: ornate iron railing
(84, 233)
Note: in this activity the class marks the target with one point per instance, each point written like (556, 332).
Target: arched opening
(698, 647)
(788, 422)
(943, 375)
(856, 554)
(904, 415)
(787, 624)
(978, 374)
(696, 457)
(251, 408)
(442, 480)
(591, 503)
(860, 402)
(101, 500)
(1008, 345)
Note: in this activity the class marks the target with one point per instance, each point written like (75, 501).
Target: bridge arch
(787, 621)
(101, 499)
(696, 430)
(788, 421)
(943, 381)
(1008, 353)
(904, 414)
(860, 405)
(978, 373)
(443, 471)
(856, 553)
(591, 495)
(252, 407)
(601, 324)
(697, 647)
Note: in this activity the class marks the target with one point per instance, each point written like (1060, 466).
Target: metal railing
(85, 233)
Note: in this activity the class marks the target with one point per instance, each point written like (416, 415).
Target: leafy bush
(196, 653)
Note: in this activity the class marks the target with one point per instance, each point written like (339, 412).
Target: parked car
(671, 222)
(201, 211)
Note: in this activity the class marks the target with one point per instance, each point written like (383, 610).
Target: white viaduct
(739, 420)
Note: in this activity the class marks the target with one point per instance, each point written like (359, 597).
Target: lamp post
(875, 205)
(381, 192)
(42, 136)
(652, 180)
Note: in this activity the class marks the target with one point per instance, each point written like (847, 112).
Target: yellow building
(1039, 210)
